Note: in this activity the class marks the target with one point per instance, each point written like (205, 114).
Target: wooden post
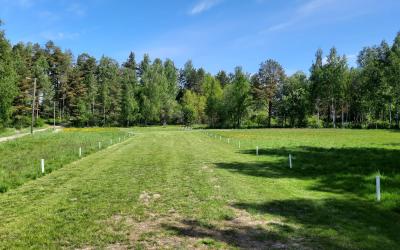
(378, 188)
(54, 115)
(42, 165)
(290, 160)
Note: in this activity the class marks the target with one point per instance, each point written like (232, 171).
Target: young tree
(189, 111)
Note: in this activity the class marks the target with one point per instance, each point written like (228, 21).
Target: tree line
(90, 92)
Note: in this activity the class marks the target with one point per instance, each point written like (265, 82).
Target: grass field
(20, 159)
(170, 188)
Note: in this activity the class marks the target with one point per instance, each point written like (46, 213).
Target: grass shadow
(337, 170)
(334, 223)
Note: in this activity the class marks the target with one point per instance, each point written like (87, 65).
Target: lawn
(174, 188)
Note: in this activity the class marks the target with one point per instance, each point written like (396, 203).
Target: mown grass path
(172, 189)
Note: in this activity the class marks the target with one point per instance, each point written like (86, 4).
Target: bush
(22, 121)
(314, 122)
(39, 122)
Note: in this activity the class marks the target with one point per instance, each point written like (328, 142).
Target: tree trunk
(269, 113)
(397, 112)
(333, 115)
(342, 117)
(104, 115)
(390, 113)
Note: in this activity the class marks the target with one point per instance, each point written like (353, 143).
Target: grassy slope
(20, 158)
(203, 184)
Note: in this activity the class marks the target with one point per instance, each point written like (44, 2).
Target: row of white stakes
(80, 152)
(378, 180)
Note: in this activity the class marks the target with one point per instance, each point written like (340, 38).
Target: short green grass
(167, 187)
(20, 158)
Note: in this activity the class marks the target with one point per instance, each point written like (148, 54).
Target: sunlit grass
(220, 196)
(20, 159)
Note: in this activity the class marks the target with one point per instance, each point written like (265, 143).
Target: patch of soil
(172, 231)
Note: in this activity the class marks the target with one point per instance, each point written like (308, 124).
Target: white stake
(257, 150)
(228, 140)
(111, 141)
(80, 151)
(99, 145)
(42, 165)
(378, 188)
(290, 160)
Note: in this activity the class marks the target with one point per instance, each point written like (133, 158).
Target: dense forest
(90, 92)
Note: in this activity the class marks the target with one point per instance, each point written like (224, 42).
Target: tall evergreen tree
(8, 80)
(129, 105)
(270, 77)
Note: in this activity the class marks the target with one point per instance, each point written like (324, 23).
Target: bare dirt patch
(172, 231)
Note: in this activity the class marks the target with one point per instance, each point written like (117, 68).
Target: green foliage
(87, 92)
(213, 94)
(192, 108)
(293, 102)
(8, 77)
(236, 99)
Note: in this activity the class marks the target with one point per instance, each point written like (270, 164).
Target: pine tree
(8, 80)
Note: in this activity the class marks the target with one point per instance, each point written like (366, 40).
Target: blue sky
(215, 34)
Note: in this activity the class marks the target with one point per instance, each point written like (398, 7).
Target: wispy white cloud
(301, 12)
(279, 26)
(18, 3)
(203, 5)
(77, 9)
(25, 3)
(56, 36)
(312, 6)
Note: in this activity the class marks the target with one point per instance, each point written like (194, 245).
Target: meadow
(176, 188)
(20, 159)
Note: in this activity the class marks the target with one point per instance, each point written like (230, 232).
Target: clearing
(174, 188)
